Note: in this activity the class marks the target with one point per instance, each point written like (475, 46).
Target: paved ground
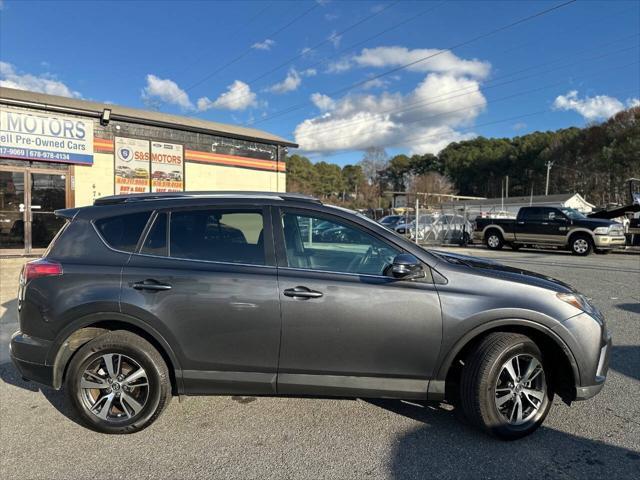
(224, 437)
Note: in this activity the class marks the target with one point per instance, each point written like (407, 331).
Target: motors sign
(46, 137)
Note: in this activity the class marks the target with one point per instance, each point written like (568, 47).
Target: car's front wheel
(503, 388)
(118, 383)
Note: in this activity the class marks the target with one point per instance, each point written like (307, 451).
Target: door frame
(28, 214)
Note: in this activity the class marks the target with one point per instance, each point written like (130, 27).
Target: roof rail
(141, 197)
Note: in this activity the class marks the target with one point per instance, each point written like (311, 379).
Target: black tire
(130, 351)
(493, 240)
(484, 370)
(581, 245)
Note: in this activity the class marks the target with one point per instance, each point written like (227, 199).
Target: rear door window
(218, 235)
(122, 232)
(156, 241)
(531, 215)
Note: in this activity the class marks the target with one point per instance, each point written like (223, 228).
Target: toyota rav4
(142, 297)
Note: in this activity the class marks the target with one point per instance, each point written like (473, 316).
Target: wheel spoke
(509, 368)
(516, 411)
(108, 360)
(100, 384)
(137, 375)
(105, 402)
(132, 402)
(529, 393)
(531, 369)
(500, 401)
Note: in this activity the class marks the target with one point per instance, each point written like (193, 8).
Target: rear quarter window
(122, 232)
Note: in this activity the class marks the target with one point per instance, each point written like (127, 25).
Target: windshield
(572, 214)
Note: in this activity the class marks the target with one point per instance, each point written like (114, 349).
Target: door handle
(151, 285)
(545, 223)
(520, 223)
(302, 292)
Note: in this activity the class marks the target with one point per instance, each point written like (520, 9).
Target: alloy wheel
(493, 241)
(521, 389)
(114, 387)
(581, 245)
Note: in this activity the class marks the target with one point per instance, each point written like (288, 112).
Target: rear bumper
(607, 241)
(29, 355)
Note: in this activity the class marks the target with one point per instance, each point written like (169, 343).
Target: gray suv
(142, 297)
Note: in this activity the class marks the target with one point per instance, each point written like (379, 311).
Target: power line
(415, 62)
(250, 49)
(350, 47)
(324, 42)
(474, 89)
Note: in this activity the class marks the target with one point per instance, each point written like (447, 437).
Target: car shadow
(625, 359)
(629, 307)
(442, 446)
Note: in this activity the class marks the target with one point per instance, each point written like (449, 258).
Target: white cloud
(339, 66)
(292, 81)
(599, 107)
(423, 120)
(237, 97)
(166, 91)
(442, 61)
(330, 17)
(266, 45)
(45, 83)
(323, 102)
(633, 102)
(335, 39)
(519, 126)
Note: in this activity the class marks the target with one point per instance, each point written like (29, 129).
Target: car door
(347, 328)
(528, 225)
(205, 279)
(553, 226)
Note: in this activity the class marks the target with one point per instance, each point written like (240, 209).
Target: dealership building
(58, 152)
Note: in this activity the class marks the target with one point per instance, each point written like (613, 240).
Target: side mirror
(406, 267)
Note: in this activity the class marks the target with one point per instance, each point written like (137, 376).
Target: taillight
(39, 268)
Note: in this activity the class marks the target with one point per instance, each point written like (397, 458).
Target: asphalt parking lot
(229, 437)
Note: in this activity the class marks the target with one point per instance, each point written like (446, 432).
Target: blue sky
(288, 67)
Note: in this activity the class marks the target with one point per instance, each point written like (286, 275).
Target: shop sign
(45, 137)
(167, 167)
(132, 165)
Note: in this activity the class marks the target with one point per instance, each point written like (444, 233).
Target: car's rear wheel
(118, 383)
(503, 388)
(494, 240)
(581, 245)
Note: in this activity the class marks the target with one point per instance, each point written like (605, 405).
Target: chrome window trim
(337, 273)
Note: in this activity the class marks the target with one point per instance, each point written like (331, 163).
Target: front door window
(316, 243)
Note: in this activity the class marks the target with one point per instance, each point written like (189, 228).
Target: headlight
(582, 303)
(601, 230)
(575, 300)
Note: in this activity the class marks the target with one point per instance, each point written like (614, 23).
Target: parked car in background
(145, 296)
(447, 228)
(391, 221)
(404, 227)
(159, 175)
(123, 171)
(141, 173)
(548, 226)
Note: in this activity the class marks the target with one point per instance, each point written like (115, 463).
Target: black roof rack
(141, 197)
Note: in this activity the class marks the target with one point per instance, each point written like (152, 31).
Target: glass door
(12, 212)
(47, 194)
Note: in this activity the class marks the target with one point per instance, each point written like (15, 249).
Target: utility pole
(549, 165)
(507, 187)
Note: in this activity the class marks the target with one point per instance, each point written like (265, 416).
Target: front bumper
(609, 241)
(29, 355)
(590, 342)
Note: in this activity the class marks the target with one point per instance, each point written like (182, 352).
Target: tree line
(594, 161)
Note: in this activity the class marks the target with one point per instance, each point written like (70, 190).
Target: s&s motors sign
(46, 137)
